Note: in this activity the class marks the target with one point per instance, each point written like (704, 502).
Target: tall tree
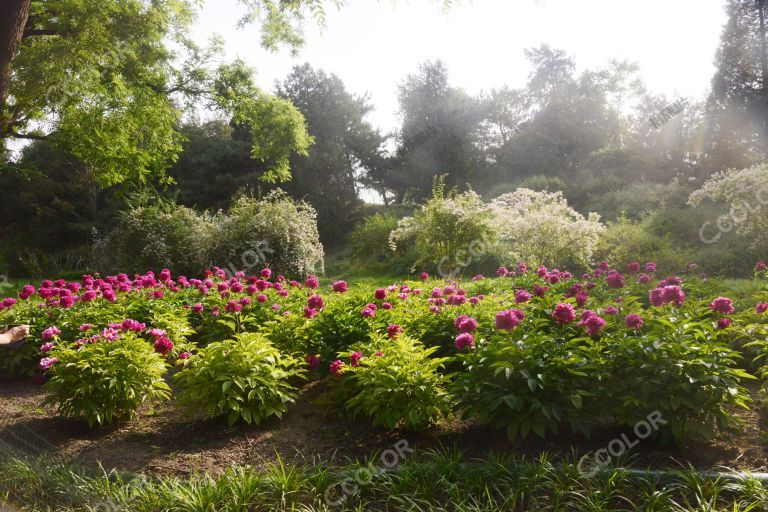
(346, 152)
(441, 133)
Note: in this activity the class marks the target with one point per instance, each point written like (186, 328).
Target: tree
(103, 81)
(346, 150)
(441, 133)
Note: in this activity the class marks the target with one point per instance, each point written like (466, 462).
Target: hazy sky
(373, 44)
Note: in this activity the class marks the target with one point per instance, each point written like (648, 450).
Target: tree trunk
(13, 18)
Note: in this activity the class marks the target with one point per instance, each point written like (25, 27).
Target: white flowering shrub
(156, 236)
(540, 228)
(275, 231)
(446, 231)
(745, 193)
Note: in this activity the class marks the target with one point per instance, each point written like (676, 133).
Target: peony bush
(245, 378)
(103, 378)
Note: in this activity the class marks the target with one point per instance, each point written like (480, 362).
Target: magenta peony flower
(110, 334)
(615, 279)
(541, 271)
(163, 345)
(464, 340)
(27, 291)
(434, 309)
(478, 277)
(634, 321)
(673, 295)
(315, 301)
(368, 312)
(650, 267)
(386, 305)
(760, 266)
(47, 362)
(46, 347)
(309, 312)
(592, 323)
(564, 313)
(380, 294)
(761, 308)
(502, 272)
(633, 267)
(157, 333)
(581, 299)
(522, 296)
(522, 268)
(197, 308)
(722, 305)
(266, 273)
(643, 279)
(539, 291)
(340, 286)
(394, 330)
(336, 367)
(50, 333)
(724, 323)
(185, 355)
(233, 307)
(611, 310)
(465, 323)
(312, 362)
(424, 276)
(354, 359)
(508, 319)
(312, 282)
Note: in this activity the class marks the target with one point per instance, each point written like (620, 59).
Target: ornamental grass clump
(245, 378)
(103, 379)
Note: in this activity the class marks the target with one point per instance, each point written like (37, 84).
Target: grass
(441, 480)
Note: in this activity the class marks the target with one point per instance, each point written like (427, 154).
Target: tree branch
(28, 136)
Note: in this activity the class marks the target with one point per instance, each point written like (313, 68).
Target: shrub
(370, 239)
(156, 236)
(540, 228)
(396, 383)
(445, 231)
(245, 378)
(275, 231)
(105, 381)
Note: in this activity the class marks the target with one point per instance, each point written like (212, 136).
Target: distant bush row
(275, 231)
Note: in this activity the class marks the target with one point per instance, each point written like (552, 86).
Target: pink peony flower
(340, 286)
(465, 323)
(394, 330)
(197, 308)
(633, 267)
(185, 355)
(46, 347)
(336, 367)
(315, 301)
(311, 282)
(581, 299)
(47, 362)
(502, 272)
(724, 323)
(509, 319)
(615, 279)
(643, 279)
(266, 273)
(312, 362)
(673, 295)
(163, 345)
(539, 291)
(522, 268)
(522, 296)
(592, 323)
(50, 333)
(368, 312)
(464, 340)
(611, 310)
(650, 267)
(309, 312)
(722, 305)
(761, 308)
(634, 321)
(354, 359)
(424, 276)
(760, 266)
(386, 305)
(564, 313)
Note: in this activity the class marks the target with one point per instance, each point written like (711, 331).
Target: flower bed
(528, 351)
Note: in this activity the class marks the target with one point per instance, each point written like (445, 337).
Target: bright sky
(373, 44)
